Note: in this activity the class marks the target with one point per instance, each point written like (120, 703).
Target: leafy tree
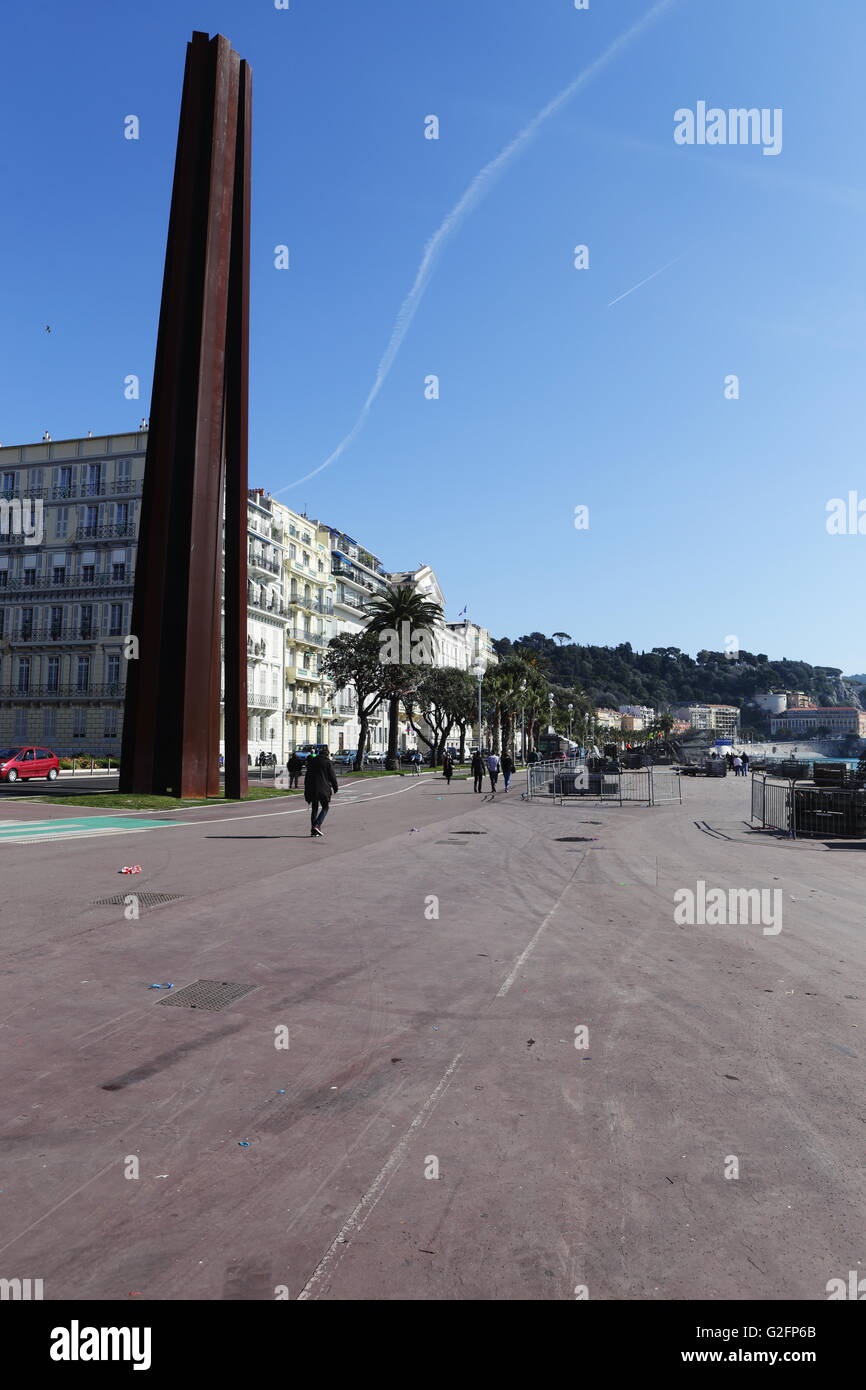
(441, 696)
(352, 659)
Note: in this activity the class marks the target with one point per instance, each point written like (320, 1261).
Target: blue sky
(707, 516)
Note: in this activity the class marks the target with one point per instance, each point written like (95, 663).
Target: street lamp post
(479, 676)
(552, 701)
(570, 714)
(523, 721)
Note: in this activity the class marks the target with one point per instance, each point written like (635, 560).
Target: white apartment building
(358, 575)
(720, 719)
(290, 622)
(66, 591)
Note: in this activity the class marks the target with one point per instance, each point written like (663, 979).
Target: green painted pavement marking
(80, 826)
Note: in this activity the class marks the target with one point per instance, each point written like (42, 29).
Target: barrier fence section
(825, 812)
(572, 780)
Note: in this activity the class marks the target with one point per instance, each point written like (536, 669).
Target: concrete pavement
(432, 1131)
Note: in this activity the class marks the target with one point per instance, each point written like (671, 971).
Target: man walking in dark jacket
(320, 781)
(478, 770)
(294, 766)
(507, 765)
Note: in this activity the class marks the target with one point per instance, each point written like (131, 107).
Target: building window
(109, 728)
(49, 723)
(115, 627)
(87, 620)
(23, 675)
(79, 723)
(94, 477)
(2, 622)
(26, 623)
(52, 674)
(61, 522)
(8, 483)
(56, 623)
(118, 572)
(121, 514)
(29, 577)
(112, 670)
(91, 516)
(58, 574)
(88, 574)
(21, 724)
(82, 683)
(4, 578)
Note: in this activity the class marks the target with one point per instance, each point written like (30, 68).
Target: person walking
(320, 781)
(416, 764)
(738, 766)
(447, 767)
(729, 759)
(744, 758)
(493, 766)
(293, 767)
(507, 768)
(478, 771)
(532, 757)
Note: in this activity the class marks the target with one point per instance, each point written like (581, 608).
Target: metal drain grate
(144, 899)
(211, 995)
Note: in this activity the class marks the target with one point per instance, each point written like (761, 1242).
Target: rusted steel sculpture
(196, 465)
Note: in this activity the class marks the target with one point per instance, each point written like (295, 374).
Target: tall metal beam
(196, 455)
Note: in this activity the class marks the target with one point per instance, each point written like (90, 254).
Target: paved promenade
(431, 1131)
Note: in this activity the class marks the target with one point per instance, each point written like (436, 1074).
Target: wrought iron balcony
(105, 533)
(47, 691)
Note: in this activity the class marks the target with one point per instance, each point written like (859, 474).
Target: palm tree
(563, 637)
(387, 612)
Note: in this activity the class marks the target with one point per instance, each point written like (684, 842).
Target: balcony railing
(56, 492)
(353, 601)
(43, 691)
(102, 580)
(105, 533)
(312, 639)
(259, 562)
(259, 701)
(305, 711)
(276, 609)
(313, 604)
(63, 632)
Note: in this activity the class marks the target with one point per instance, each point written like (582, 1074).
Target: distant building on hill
(835, 719)
(719, 719)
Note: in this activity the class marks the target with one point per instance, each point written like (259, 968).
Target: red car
(28, 762)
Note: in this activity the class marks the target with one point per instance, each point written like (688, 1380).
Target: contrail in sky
(477, 189)
(646, 281)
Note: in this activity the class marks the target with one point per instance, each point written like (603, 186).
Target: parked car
(375, 758)
(308, 750)
(346, 757)
(28, 762)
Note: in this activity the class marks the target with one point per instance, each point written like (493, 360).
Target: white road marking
(525, 954)
(363, 1210)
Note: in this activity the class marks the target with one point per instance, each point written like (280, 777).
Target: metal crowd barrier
(823, 812)
(573, 780)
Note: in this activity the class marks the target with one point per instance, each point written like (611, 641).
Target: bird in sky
(48, 328)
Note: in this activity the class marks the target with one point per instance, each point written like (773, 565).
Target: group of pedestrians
(320, 779)
(493, 765)
(738, 763)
